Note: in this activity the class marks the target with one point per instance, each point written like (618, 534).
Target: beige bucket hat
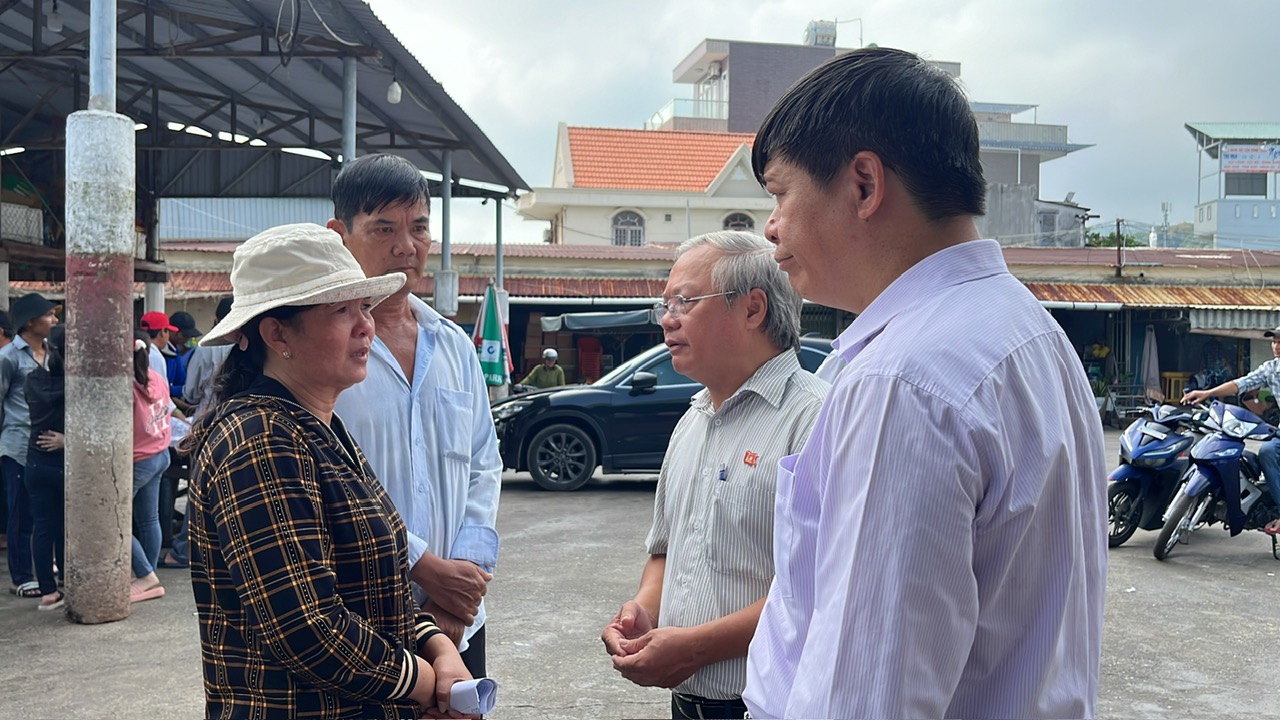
(300, 264)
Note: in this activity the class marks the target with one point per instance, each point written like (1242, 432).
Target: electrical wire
(332, 34)
(286, 52)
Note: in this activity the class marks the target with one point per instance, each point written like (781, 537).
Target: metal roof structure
(1210, 135)
(228, 92)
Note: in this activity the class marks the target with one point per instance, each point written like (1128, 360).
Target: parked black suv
(622, 422)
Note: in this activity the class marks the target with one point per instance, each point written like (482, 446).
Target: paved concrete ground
(1191, 637)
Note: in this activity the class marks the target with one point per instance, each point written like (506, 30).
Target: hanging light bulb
(393, 91)
(55, 19)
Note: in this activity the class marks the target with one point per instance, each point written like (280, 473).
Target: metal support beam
(446, 202)
(497, 234)
(348, 109)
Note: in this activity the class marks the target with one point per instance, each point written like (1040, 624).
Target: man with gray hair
(732, 322)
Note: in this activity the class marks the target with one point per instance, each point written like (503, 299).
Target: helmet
(550, 354)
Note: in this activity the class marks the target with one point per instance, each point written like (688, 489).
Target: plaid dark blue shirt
(301, 570)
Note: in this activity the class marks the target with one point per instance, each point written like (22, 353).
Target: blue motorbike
(1152, 468)
(1225, 484)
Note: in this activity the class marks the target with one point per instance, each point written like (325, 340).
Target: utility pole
(1119, 249)
(100, 192)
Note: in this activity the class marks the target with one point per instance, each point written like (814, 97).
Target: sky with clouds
(1123, 75)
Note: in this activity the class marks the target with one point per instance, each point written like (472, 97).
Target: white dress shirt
(432, 444)
(940, 540)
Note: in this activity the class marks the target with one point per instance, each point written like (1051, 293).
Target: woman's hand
(424, 690)
(449, 669)
(51, 440)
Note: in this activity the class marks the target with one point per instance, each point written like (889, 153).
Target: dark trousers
(46, 488)
(686, 707)
(19, 529)
(473, 658)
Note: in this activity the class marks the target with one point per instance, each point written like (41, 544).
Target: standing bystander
(959, 392)
(422, 414)
(732, 323)
(34, 317)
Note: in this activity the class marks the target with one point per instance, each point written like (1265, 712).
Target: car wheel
(561, 457)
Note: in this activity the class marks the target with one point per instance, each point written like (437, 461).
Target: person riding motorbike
(548, 373)
(1265, 375)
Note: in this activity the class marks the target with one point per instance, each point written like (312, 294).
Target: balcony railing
(1022, 132)
(716, 111)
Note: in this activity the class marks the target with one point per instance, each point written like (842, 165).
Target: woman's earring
(287, 355)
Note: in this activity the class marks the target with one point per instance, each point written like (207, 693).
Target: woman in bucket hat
(299, 560)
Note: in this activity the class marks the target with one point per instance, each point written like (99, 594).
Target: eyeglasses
(678, 305)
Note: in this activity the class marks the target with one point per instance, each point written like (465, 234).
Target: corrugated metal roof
(1211, 319)
(567, 252)
(1161, 296)
(1235, 131)
(1168, 257)
(235, 218)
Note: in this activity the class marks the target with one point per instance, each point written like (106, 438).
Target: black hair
(242, 367)
(911, 114)
(152, 334)
(239, 371)
(142, 362)
(56, 350)
(372, 182)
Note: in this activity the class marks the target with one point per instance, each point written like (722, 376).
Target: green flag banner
(492, 350)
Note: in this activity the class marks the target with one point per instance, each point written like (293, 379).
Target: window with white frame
(628, 229)
(739, 221)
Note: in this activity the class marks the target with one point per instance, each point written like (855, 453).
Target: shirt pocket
(453, 424)
(740, 525)
(784, 528)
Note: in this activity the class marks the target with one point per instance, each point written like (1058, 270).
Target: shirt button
(719, 423)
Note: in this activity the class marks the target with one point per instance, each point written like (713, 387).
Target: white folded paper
(474, 697)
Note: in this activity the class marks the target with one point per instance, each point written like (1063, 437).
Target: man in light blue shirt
(422, 414)
(940, 540)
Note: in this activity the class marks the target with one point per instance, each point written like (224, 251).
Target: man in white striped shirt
(940, 539)
(732, 322)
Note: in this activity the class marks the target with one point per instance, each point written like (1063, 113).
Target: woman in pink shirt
(151, 434)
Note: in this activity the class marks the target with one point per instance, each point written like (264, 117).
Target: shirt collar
(426, 315)
(948, 267)
(769, 381)
(20, 342)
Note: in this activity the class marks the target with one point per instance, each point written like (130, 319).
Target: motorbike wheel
(561, 457)
(1179, 522)
(1123, 511)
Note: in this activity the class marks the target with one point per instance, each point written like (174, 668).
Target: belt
(702, 708)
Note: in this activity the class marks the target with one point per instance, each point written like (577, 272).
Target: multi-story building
(1238, 193)
(689, 170)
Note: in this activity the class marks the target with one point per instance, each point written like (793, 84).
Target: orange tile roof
(523, 250)
(650, 159)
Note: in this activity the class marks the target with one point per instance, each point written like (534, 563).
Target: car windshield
(615, 375)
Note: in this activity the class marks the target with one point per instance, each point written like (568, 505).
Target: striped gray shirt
(713, 511)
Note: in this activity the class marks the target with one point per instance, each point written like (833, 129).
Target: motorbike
(1152, 467)
(1225, 483)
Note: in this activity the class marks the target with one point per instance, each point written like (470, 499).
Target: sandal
(30, 589)
(1272, 528)
(57, 603)
(138, 595)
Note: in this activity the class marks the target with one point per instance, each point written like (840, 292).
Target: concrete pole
(348, 109)
(153, 297)
(446, 206)
(4, 284)
(497, 226)
(100, 237)
(446, 294)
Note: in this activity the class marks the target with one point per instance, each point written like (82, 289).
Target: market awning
(1239, 323)
(625, 320)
